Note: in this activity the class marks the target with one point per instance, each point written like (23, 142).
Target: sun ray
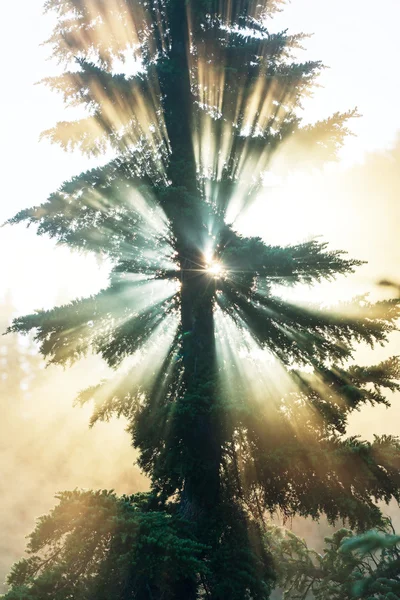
(137, 377)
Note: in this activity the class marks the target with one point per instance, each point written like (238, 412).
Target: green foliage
(95, 545)
(351, 567)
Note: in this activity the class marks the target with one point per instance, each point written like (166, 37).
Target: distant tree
(351, 567)
(21, 374)
(195, 99)
(20, 366)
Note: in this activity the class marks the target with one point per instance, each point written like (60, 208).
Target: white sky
(354, 37)
(358, 40)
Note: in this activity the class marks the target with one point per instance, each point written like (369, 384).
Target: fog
(46, 445)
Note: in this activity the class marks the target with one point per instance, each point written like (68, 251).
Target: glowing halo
(215, 269)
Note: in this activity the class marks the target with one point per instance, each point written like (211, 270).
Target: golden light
(215, 269)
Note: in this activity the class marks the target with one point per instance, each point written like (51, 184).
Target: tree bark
(188, 216)
(201, 488)
(199, 429)
(178, 101)
(197, 416)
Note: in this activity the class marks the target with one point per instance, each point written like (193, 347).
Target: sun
(215, 269)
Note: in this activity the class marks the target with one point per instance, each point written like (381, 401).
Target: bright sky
(356, 39)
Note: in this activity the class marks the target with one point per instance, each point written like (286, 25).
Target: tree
(20, 365)
(88, 544)
(20, 377)
(196, 100)
(351, 567)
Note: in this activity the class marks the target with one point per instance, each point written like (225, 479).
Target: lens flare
(215, 269)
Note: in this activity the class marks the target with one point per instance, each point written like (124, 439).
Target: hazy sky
(354, 205)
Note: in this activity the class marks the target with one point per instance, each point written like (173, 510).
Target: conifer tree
(20, 367)
(194, 99)
(351, 567)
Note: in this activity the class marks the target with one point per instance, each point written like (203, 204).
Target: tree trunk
(202, 438)
(187, 214)
(178, 101)
(198, 415)
(197, 429)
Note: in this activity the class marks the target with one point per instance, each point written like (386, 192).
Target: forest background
(46, 445)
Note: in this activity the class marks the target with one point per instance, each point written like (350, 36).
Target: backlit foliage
(237, 399)
(351, 566)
